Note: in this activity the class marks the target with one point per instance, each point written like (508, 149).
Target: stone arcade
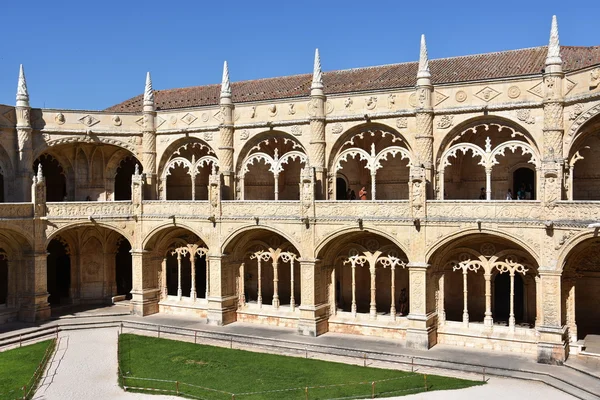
(231, 202)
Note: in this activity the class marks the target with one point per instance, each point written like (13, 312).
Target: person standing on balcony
(482, 194)
(509, 195)
(363, 193)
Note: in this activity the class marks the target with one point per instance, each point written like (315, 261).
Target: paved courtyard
(85, 367)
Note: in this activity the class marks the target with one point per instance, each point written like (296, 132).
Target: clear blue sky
(90, 55)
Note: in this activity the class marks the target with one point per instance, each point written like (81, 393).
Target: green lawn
(239, 372)
(18, 366)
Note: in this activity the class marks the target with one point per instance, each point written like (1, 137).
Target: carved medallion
(59, 118)
(116, 120)
(337, 128)
(244, 135)
(445, 121)
(371, 102)
(525, 116)
(296, 130)
(205, 117)
(514, 92)
(461, 96)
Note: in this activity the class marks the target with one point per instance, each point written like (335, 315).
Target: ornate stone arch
(60, 231)
(154, 232)
(236, 233)
(471, 125)
(330, 237)
(578, 126)
(464, 233)
(84, 139)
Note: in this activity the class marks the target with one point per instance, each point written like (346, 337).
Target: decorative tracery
(487, 156)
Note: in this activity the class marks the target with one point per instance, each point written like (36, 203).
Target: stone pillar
(313, 310)
(488, 320)
(34, 302)
(316, 110)
(418, 195)
(424, 119)
(552, 335)
(149, 141)
(569, 296)
(144, 293)
(552, 154)
(24, 138)
(226, 130)
(421, 332)
(222, 299)
(441, 299)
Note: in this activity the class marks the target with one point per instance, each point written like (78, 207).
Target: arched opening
(185, 171)
(501, 296)
(3, 277)
(269, 169)
(58, 272)
(581, 290)
(367, 280)
(375, 160)
(123, 268)
(472, 277)
(56, 184)
(123, 176)
(583, 181)
(341, 189)
(267, 270)
(523, 187)
(181, 267)
(484, 162)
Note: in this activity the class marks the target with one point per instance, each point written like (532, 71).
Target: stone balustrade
(581, 212)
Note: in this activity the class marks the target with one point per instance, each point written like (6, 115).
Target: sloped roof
(504, 64)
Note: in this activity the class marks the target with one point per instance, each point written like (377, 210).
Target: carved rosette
(317, 143)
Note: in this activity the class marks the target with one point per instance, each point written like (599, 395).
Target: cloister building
(371, 201)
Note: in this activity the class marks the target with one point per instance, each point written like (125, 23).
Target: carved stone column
(313, 310)
(424, 119)
(316, 110)
(226, 130)
(149, 141)
(488, 319)
(421, 332)
(24, 138)
(552, 340)
(222, 299)
(441, 305)
(552, 154)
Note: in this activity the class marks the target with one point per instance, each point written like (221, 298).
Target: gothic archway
(477, 160)
(375, 158)
(269, 168)
(56, 183)
(123, 176)
(581, 290)
(58, 272)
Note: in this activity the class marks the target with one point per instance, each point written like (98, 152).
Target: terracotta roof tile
(503, 64)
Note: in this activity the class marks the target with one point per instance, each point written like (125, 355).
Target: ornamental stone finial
(148, 94)
(554, 45)
(40, 175)
(317, 81)
(423, 74)
(225, 83)
(22, 94)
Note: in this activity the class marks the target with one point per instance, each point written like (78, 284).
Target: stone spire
(225, 84)
(22, 94)
(553, 57)
(316, 87)
(40, 175)
(148, 94)
(423, 75)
